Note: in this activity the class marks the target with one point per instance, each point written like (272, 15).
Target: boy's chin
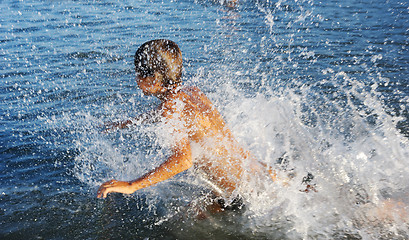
(146, 93)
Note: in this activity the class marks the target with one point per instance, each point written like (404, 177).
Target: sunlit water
(320, 87)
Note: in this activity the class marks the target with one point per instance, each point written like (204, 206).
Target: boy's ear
(158, 77)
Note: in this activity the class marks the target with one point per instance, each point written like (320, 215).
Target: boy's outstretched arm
(179, 161)
(147, 117)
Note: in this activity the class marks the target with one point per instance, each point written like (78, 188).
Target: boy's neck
(169, 94)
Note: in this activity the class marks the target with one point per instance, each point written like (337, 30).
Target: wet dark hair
(160, 56)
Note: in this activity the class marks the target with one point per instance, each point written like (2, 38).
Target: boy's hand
(108, 127)
(113, 186)
(112, 126)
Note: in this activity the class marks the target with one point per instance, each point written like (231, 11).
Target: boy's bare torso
(221, 156)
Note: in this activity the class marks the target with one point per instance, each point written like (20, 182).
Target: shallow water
(323, 85)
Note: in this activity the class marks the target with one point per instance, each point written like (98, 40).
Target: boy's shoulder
(195, 92)
(178, 102)
(188, 96)
(191, 89)
(196, 96)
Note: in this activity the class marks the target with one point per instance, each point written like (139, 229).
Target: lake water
(323, 85)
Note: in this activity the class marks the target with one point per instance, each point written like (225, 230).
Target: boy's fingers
(102, 194)
(103, 189)
(99, 194)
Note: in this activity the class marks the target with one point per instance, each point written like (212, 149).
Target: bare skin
(202, 124)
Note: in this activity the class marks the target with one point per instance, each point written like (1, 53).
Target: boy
(158, 65)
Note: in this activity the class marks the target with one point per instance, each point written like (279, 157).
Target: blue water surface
(67, 66)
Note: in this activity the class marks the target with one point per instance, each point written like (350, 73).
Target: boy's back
(220, 155)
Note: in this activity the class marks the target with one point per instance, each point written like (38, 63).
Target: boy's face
(150, 85)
